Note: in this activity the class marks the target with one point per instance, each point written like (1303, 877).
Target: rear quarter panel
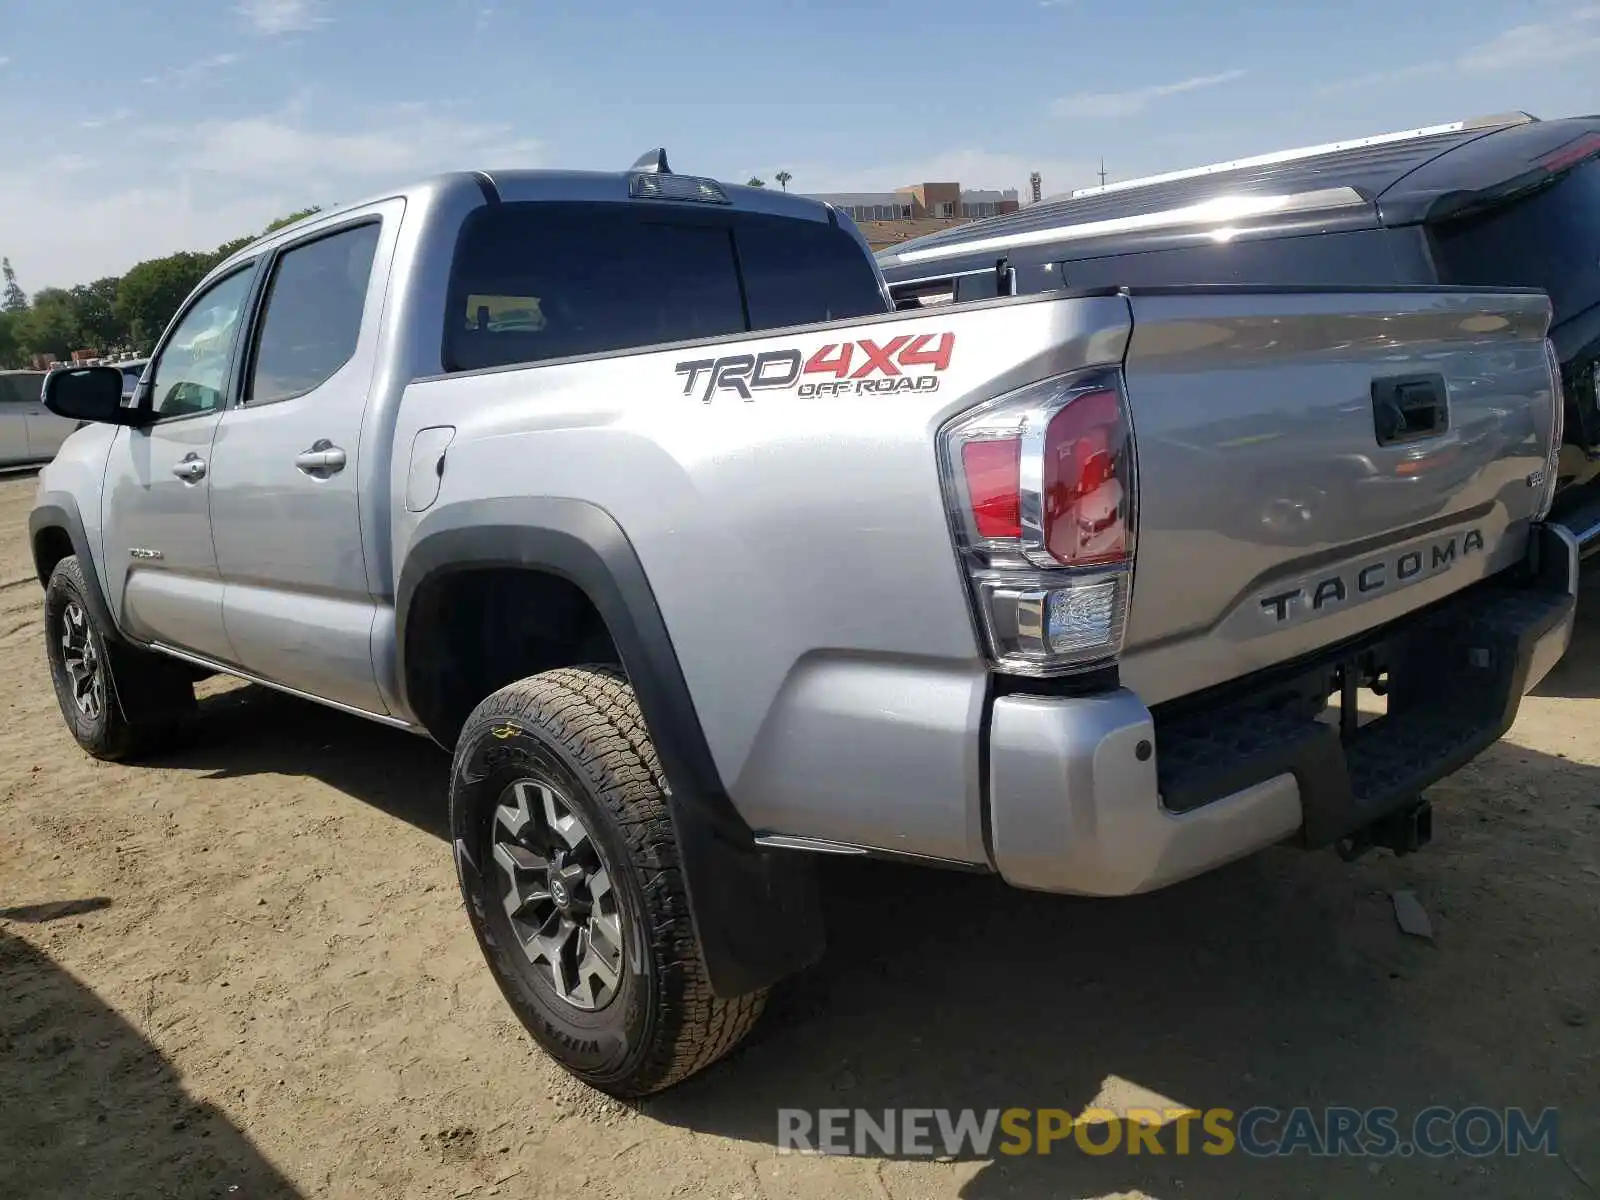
(1259, 466)
(797, 546)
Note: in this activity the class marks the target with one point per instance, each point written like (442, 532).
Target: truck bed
(804, 521)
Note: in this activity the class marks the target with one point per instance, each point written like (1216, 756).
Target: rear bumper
(1097, 795)
(1578, 510)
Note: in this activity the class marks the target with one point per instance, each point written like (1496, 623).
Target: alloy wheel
(557, 893)
(81, 658)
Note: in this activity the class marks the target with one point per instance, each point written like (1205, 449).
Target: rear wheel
(119, 701)
(569, 867)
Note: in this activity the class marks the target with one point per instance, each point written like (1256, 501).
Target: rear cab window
(536, 281)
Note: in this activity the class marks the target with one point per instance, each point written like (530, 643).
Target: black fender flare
(59, 510)
(757, 913)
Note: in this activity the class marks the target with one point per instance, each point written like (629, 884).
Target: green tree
(753, 181)
(50, 325)
(14, 298)
(11, 354)
(151, 292)
(228, 249)
(96, 309)
(291, 219)
(783, 178)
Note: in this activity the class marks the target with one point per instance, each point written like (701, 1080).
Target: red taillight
(991, 468)
(1040, 482)
(1572, 153)
(1085, 519)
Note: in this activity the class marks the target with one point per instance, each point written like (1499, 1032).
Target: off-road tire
(146, 702)
(579, 730)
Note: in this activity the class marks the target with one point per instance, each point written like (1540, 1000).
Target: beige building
(922, 201)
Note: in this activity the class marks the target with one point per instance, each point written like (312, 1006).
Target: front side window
(312, 319)
(191, 375)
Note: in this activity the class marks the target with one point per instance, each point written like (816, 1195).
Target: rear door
(288, 465)
(1314, 464)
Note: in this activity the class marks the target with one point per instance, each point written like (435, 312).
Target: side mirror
(88, 394)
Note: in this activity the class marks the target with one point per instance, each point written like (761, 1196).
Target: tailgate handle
(1407, 408)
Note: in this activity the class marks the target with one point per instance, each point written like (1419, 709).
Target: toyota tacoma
(634, 492)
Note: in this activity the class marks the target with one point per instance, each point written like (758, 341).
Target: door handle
(1408, 408)
(324, 458)
(191, 468)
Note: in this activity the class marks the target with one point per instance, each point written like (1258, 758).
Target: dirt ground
(244, 972)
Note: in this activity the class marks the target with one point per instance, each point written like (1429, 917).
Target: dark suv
(1508, 200)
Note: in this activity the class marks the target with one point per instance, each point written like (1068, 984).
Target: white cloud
(1562, 39)
(408, 142)
(1054, 3)
(70, 220)
(273, 17)
(1135, 100)
(1574, 34)
(185, 74)
(113, 117)
(4, 59)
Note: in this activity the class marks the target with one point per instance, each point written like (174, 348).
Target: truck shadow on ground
(248, 730)
(89, 1107)
(1279, 981)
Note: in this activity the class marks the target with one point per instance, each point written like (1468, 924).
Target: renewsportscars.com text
(1258, 1132)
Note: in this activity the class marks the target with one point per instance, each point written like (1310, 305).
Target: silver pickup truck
(634, 492)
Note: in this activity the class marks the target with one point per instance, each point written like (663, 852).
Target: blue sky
(133, 132)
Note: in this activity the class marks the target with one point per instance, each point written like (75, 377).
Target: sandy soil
(244, 972)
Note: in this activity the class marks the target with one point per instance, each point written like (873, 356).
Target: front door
(288, 474)
(155, 510)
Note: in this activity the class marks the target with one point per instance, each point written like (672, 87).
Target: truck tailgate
(1313, 464)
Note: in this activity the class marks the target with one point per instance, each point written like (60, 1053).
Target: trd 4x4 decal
(850, 368)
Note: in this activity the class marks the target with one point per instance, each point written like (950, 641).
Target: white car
(28, 432)
(131, 371)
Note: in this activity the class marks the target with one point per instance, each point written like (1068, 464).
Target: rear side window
(313, 314)
(1548, 240)
(539, 281)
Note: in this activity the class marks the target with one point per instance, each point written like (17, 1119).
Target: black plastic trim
(757, 913)
(58, 510)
